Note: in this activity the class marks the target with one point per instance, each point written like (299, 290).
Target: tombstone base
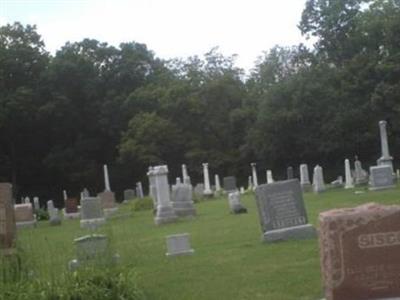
(71, 216)
(165, 214)
(184, 209)
(378, 188)
(306, 187)
(92, 223)
(239, 209)
(291, 233)
(187, 252)
(26, 224)
(110, 211)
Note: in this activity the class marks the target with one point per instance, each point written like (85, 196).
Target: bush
(145, 203)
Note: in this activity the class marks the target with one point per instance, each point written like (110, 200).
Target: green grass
(230, 262)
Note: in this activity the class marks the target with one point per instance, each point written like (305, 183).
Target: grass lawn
(230, 262)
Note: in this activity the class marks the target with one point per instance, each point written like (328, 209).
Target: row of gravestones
(359, 247)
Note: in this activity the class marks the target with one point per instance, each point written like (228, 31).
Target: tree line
(63, 116)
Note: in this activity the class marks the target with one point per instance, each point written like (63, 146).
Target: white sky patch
(173, 28)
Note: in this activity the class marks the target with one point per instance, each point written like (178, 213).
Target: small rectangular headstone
(129, 194)
(282, 212)
(107, 199)
(230, 184)
(91, 208)
(359, 250)
(381, 177)
(178, 244)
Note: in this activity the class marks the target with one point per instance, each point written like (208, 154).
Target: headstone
(270, 179)
(54, 217)
(129, 194)
(65, 196)
(242, 190)
(27, 200)
(385, 159)
(381, 177)
(71, 210)
(230, 184)
(250, 184)
(165, 211)
(108, 203)
(305, 178)
(182, 200)
(349, 179)
(85, 193)
(185, 174)
(36, 204)
(318, 180)
(93, 250)
(254, 175)
(290, 173)
(360, 175)
(24, 215)
(338, 183)
(207, 187)
(178, 244)
(234, 203)
(8, 229)
(217, 183)
(282, 212)
(359, 249)
(92, 214)
(398, 174)
(152, 187)
(139, 190)
(199, 190)
(106, 179)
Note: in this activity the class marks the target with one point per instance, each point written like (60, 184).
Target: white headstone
(152, 186)
(184, 172)
(65, 196)
(27, 200)
(217, 183)
(318, 180)
(207, 186)
(250, 183)
(234, 203)
(106, 178)
(54, 217)
(349, 179)
(270, 179)
(165, 212)
(385, 159)
(36, 204)
(254, 175)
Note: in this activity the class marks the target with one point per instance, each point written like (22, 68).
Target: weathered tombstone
(385, 159)
(242, 190)
(199, 190)
(36, 204)
(24, 215)
(360, 175)
(217, 183)
(139, 190)
(92, 214)
(165, 212)
(182, 200)
(71, 210)
(250, 184)
(230, 184)
(54, 217)
(290, 173)
(234, 203)
(254, 174)
(93, 250)
(270, 178)
(360, 252)
(318, 180)
(282, 212)
(207, 187)
(381, 177)
(108, 203)
(8, 229)
(349, 179)
(129, 194)
(152, 187)
(65, 196)
(178, 244)
(305, 178)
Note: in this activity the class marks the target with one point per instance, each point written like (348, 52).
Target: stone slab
(178, 244)
(301, 232)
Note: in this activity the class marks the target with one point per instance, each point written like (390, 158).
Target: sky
(170, 28)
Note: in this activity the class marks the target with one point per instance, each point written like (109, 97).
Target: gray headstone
(182, 200)
(36, 204)
(289, 173)
(178, 244)
(139, 190)
(199, 190)
(165, 212)
(129, 194)
(234, 203)
(230, 184)
(318, 180)
(282, 212)
(381, 177)
(91, 210)
(85, 193)
(107, 199)
(54, 217)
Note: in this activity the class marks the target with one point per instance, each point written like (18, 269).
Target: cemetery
(132, 176)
